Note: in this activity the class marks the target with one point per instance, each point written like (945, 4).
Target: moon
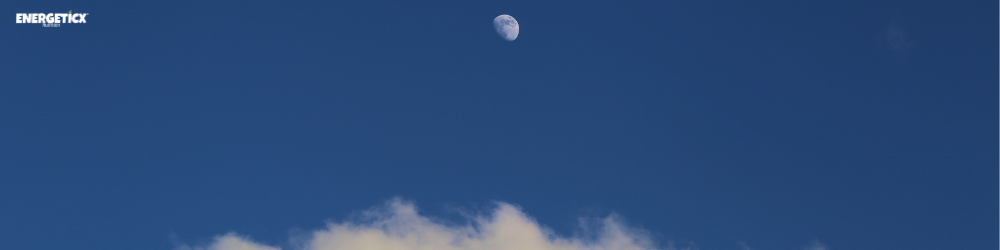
(506, 27)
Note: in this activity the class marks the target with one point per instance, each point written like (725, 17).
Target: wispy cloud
(815, 245)
(398, 226)
(231, 241)
(743, 245)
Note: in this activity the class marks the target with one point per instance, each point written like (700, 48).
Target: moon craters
(506, 27)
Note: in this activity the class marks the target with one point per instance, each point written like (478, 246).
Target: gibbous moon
(506, 26)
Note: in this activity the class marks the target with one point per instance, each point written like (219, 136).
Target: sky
(729, 125)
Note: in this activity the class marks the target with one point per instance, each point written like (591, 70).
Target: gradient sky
(715, 124)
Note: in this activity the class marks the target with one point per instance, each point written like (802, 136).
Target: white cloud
(743, 245)
(815, 246)
(398, 226)
(231, 241)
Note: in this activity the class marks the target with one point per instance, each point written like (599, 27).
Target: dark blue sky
(858, 124)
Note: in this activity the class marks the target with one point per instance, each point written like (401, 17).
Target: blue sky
(708, 124)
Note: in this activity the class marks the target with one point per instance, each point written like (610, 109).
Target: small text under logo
(52, 19)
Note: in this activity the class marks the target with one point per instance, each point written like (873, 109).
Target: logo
(52, 19)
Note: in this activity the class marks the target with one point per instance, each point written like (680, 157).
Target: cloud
(231, 241)
(815, 246)
(743, 245)
(398, 226)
